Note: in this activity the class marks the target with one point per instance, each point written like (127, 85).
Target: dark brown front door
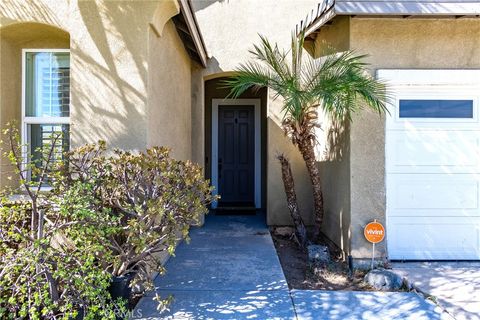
(236, 146)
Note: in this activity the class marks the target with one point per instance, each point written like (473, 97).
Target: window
(46, 100)
(436, 109)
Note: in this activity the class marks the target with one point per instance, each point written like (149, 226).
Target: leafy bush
(156, 198)
(58, 274)
(105, 215)
(51, 244)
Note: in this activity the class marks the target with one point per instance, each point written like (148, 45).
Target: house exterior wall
(230, 28)
(334, 147)
(334, 37)
(169, 111)
(130, 74)
(396, 44)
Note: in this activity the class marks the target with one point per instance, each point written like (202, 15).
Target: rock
(384, 280)
(318, 255)
(284, 231)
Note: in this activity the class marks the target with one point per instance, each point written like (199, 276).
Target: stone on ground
(284, 231)
(318, 254)
(385, 280)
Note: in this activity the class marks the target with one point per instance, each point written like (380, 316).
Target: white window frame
(36, 120)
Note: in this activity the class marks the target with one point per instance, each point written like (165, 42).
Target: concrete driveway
(455, 285)
(355, 305)
(231, 270)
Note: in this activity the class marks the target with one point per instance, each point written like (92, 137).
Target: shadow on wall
(334, 167)
(278, 213)
(17, 10)
(109, 62)
(113, 57)
(337, 142)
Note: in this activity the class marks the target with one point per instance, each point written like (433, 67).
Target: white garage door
(433, 165)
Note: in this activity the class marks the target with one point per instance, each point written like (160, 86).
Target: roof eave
(329, 9)
(320, 22)
(189, 16)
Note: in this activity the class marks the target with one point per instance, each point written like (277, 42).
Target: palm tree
(338, 84)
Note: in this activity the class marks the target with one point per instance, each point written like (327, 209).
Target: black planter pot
(120, 287)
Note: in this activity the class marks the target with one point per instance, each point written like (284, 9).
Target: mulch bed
(299, 275)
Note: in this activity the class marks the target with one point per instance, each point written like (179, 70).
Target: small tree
(337, 84)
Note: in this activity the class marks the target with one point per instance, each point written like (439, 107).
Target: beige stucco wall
(109, 71)
(230, 28)
(397, 43)
(130, 74)
(335, 173)
(334, 149)
(169, 112)
(334, 37)
(278, 143)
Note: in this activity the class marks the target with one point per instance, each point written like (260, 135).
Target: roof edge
(328, 9)
(188, 13)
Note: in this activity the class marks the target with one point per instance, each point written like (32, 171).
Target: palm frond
(335, 82)
(340, 81)
(297, 55)
(248, 75)
(272, 57)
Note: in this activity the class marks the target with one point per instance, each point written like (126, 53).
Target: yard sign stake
(374, 232)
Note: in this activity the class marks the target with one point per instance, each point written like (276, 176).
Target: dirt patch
(299, 275)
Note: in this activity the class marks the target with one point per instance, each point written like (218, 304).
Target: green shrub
(59, 274)
(52, 253)
(105, 215)
(155, 197)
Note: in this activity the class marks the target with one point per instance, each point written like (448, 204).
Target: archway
(241, 181)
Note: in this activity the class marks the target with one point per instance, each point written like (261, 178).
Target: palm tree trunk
(308, 153)
(289, 185)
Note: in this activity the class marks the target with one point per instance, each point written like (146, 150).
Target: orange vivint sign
(374, 232)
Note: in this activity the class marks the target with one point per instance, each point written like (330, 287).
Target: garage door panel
(432, 164)
(431, 152)
(432, 191)
(417, 212)
(433, 239)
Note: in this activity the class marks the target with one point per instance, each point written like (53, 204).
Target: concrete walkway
(455, 285)
(230, 270)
